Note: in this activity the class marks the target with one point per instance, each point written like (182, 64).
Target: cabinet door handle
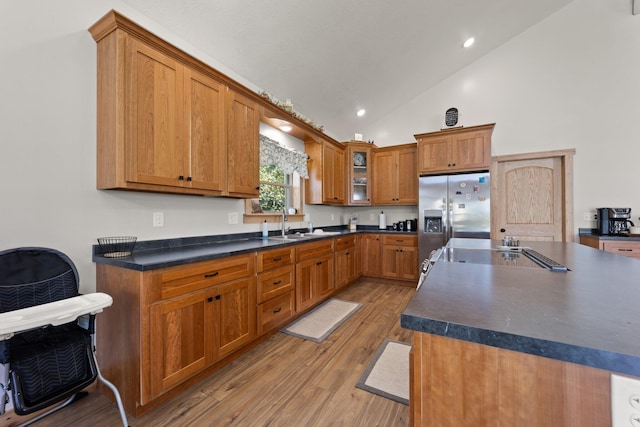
(188, 178)
(218, 297)
(399, 240)
(348, 253)
(277, 282)
(209, 275)
(209, 299)
(181, 178)
(278, 310)
(277, 258)
(319, 263)
(624, 250)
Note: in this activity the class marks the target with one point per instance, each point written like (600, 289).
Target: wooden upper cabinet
(154, 136)
(326, 183)
(395, 179)
(243, 150)
(359, 164)
(205, 112)
(167, 122)
(454, 150)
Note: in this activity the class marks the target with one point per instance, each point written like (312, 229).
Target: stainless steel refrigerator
(452, 206)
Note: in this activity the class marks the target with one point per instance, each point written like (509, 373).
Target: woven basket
(116, 247)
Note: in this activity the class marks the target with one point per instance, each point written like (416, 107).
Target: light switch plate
(625, 401)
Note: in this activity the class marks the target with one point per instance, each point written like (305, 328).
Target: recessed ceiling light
(361, 112)
(286, 128)
(468, 42)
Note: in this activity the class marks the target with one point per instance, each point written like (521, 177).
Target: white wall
(48, 193)
(572, 81)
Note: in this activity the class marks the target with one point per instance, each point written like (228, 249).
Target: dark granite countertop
(593, 233)
(150, 255)
(588, 315)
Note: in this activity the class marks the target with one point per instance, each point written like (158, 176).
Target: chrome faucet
(284, 218)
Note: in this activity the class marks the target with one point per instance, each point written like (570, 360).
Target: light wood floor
(285, 381)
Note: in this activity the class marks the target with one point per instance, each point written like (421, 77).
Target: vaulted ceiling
(332, 57)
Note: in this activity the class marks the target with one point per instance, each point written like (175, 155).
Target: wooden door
(243, 146)
(179, 346)
(339, 184)
(305, 275)
(204, 113)
(408, 263)
(532, 196)
(371, 259)
(323, 281)
(328, 173)
(345, 266)
(235, 315)
(155, 145)
(407, 177)
(433, 154)
(390, 261)
(385, 178)
(471, 151)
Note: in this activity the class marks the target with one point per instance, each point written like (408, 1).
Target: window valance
(288, 160)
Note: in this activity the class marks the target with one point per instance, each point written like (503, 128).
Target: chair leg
(114, 389)
(4, 392)
(67, 402)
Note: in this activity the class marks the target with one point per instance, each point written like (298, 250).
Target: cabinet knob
(502, 230)
(209, 299)
(181, 178)
(217, 296)
(188, 178)
(348, 253)
(319, 263)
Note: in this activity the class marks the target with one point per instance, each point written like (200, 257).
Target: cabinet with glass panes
(359, 172)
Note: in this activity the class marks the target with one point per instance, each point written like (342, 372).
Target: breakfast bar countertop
(587, 315)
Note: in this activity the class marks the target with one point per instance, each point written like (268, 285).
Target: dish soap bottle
(265, 229)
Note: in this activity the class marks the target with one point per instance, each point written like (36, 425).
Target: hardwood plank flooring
(285, 381)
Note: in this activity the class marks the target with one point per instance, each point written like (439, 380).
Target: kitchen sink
(296, 237)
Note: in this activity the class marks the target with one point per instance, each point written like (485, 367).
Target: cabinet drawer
(629, 249)
(175, 281)
(345, 242)
(275, 282)
(399, 240)
(275, 311)
(312, 250)
(274, 258)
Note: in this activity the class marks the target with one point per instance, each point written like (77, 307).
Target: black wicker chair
(47, 343)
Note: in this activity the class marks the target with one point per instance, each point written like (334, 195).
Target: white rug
(320, 322)
(388, 372)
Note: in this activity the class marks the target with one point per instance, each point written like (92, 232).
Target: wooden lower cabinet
(400, 257)
(276, 288)
(455, 382)
(371, 255)
(314, 273)
(167, 325)
(629, 248)
(347, 261)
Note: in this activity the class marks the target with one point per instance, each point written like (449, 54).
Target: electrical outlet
(158, 219)
(372, 217)
(233, 217)
(333, 217)
(625, 401)
(587, 216)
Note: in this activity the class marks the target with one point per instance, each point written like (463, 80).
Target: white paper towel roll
(382, 221)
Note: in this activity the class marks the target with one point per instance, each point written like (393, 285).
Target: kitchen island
(496, 344)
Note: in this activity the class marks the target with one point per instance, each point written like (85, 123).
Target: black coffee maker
(613, 221)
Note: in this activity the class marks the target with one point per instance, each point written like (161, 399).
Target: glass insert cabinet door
(360, 176)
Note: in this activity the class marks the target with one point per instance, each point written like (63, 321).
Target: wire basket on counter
(116, 247)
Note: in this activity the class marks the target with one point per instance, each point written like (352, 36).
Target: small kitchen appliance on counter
(614, 221)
